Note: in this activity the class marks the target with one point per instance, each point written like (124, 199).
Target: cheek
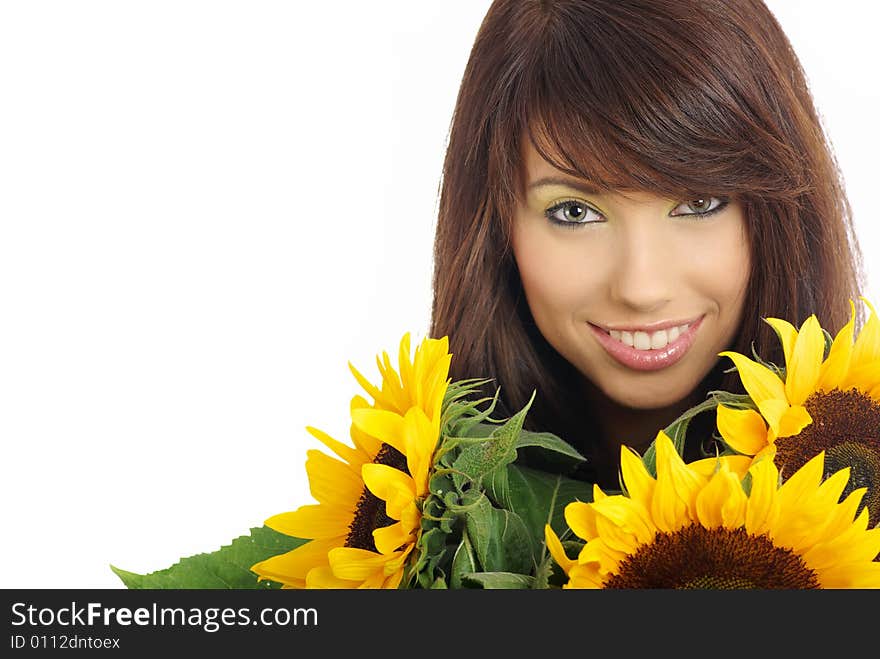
(555, 277)
(722, 267)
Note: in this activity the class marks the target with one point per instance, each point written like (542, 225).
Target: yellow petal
(630, 516)
(313, 521)
(802, 371)
(799, 518)
(722, 502)
(793, 420)
(393, 486)
(674, 501)
(616, 537)
(369, 446)
(581, 519)
(858, 576)
(554, 546)
(292, 567)
(389, 539)
(787, 334)
(849, 545)
(742, 430)
(323, 577)
(403, 361)
(347, 453)
(381, 424)
(606, 558)
(738, 464)
(585, 577)
(420, 440)
(844, 513)
(366, 384)
(759, 381)
(332, 481)
(836, 366)
(762, 509)
(393, 582)
(867, 344)
(782, 419)
(639, 483)
(863, 377)
(355, 564)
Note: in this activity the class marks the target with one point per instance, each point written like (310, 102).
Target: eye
(572, 213)
(700, 206)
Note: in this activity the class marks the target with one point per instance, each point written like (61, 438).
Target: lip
(651, 327)
(648, 360)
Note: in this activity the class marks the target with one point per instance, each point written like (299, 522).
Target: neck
(616, 425)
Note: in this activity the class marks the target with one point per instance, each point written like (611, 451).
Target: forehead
(576, 161)
(537, 173)
(534, 165)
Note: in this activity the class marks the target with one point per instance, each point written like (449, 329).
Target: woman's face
(638, 292)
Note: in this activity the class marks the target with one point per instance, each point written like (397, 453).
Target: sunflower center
(695, 557)
(370, 511)
(846, 425)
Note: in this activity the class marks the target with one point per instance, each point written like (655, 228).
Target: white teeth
(649, 341)
(659, 340)
(641, 341)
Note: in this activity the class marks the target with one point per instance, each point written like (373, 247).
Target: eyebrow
(567, 182)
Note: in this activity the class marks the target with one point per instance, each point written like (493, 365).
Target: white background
(206, 210)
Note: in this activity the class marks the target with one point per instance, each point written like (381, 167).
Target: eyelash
(575, 225)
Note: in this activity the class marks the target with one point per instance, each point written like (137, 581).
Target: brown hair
(682, 98)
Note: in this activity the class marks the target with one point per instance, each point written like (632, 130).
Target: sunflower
(692, 528)
(422, 381)
(827, 403)
(366, 522)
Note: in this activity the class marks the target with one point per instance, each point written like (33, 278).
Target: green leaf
(549, 442)
(538, 498)
(500, 540)
(499, 449)
(464, 562)
(498, 580)
(228, 567)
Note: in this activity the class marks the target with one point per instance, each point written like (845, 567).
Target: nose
(643, 276)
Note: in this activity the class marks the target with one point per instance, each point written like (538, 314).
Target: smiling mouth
(649, 340)
(648, 351)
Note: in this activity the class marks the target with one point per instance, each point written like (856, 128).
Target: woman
(629, 188)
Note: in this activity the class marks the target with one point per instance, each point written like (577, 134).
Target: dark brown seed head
(370, 511)
(695, 557)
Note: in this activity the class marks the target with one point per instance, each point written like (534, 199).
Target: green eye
(572, 213)
(700, 207)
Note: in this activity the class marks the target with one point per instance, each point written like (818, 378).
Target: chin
(647, 400)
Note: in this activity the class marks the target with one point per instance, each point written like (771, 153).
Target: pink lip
(648, 360)
(651, 327)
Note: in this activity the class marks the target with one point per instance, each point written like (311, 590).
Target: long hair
(681, 98)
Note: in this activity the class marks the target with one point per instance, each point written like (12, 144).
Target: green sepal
(462, 412)
(226, 568)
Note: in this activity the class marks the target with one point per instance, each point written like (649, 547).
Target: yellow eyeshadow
(548, 196)
(547, 192)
